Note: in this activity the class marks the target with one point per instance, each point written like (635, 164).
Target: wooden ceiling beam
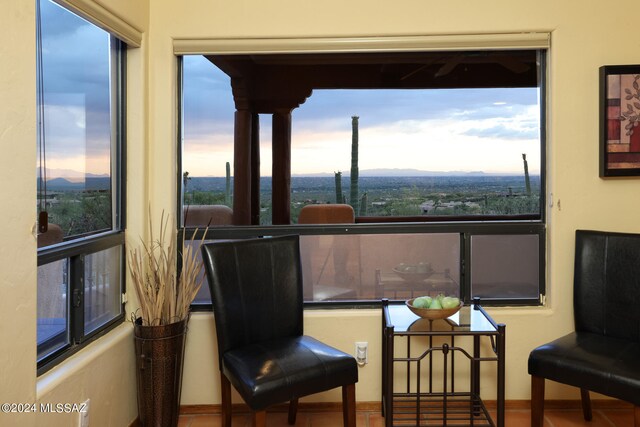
(269, 82)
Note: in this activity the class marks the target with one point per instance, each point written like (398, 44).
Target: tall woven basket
(159, 364)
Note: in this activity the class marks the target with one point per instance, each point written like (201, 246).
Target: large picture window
(417, 145)
(80, 182)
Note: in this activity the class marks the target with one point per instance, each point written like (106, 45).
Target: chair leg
(586, 404)
(349, 405)
(259, 419)
(636, 416)
(293, 411)
(537, 401)
(225, 391)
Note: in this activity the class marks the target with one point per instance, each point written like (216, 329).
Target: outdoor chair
(330, 213)
(52, 236)
(207, 215)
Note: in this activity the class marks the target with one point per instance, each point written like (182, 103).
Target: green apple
(450, 302)
(435, 304)
(422, 302)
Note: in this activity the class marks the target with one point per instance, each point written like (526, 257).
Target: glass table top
(468, 319)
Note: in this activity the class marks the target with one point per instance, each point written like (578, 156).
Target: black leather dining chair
(603, 353)
(256, 291)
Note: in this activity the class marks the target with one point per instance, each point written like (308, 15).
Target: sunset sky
(434, 130)
(76, 94)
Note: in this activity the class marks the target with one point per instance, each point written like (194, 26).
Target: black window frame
(77, 248)
(466, 230)
(466, 226)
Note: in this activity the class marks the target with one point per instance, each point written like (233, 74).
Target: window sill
(525, 310)
(48, 381)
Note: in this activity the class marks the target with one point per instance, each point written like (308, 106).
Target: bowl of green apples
(439, 307)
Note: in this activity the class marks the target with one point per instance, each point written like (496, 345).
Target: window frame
(466, 226)
(77, 248)
(465, 229)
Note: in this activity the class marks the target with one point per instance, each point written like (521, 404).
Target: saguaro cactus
(354, 163)
(185, 180)
(363, 204)
(338, 176)
(527, 183)
(227, 192)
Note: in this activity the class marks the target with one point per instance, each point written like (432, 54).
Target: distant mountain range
(73, 180)
(89, 183)
(383, 172)
(70, 180)
(69, 175)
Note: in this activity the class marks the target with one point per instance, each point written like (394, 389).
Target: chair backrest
(607, 284)
(256, 290)
(331, 213)
(205, 215)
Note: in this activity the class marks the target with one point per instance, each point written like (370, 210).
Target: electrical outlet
(84, 414)
(362, 353)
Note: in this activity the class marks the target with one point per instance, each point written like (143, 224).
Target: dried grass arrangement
(164, 295)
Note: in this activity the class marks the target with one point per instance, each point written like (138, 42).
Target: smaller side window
(80, 184)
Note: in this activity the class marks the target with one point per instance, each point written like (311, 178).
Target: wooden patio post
(281, 167)
(242, 168)
(255, 169)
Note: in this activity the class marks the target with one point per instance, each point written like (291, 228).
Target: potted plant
(165, 281)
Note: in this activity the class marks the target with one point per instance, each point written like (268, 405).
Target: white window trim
(104, 19)
(211, 46)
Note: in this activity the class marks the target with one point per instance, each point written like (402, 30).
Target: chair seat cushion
(606, 365)
(277, 371)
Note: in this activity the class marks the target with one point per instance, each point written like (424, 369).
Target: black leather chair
(603, 354)
(256, 290)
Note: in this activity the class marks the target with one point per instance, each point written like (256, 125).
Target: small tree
(338, 178)
(527, 182)
(185, 180)
(227, 193)
(363, 204)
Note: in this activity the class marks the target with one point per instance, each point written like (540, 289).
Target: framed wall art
(620, 120)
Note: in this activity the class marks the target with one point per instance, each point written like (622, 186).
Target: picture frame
(619, 120)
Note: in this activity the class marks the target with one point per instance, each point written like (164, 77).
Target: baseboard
(241, 408)
(376, 406)
(524, 404)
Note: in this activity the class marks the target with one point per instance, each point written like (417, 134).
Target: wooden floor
(617, 417)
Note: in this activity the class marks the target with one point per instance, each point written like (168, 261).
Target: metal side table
(425, 355)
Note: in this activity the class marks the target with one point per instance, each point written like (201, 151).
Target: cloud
(392, 105)
(519, 123)
(502, 131)
(208, 101)
(58, 21)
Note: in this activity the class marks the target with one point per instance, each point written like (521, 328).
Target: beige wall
(18, 247)
(104, 370)
(585, 35)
